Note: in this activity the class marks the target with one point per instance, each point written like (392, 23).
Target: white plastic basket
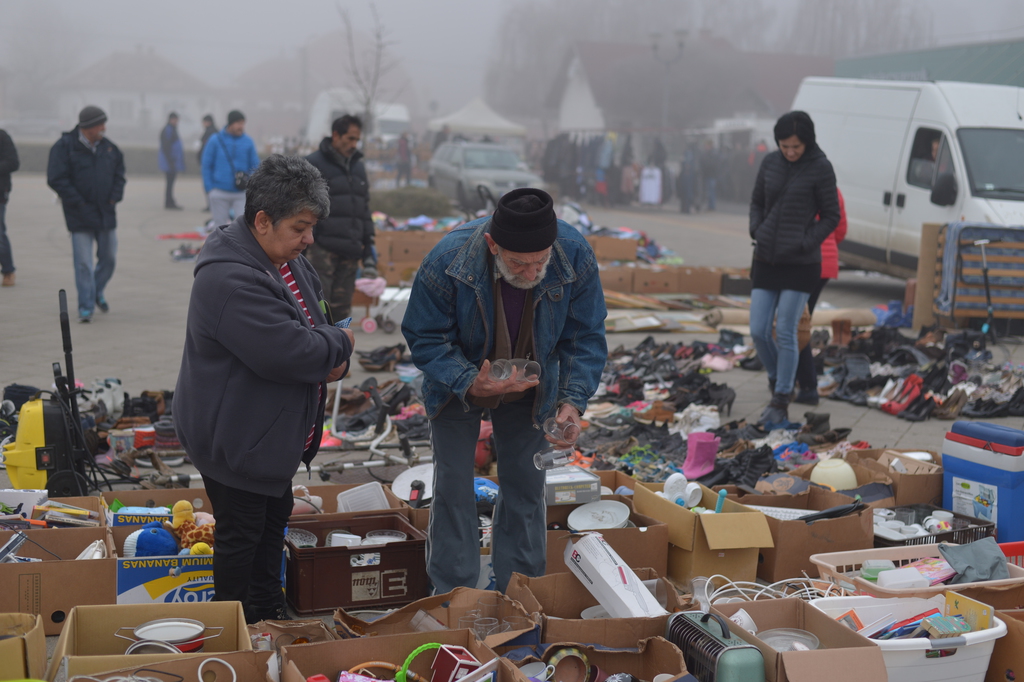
(906, 660)
(367, 497)
(837, 567)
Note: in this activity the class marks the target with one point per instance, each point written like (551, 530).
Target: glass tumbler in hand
(528, 370)
(566, 432)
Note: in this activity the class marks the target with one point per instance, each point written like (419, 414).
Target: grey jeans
(223, 203)
(518, 541)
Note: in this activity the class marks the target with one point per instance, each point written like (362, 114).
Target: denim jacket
(449, 323)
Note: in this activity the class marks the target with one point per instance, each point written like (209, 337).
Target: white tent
(476, 118)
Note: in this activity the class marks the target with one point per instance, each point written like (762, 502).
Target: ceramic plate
(173, 630)
(402, 487)
(599, 515)
(595, 612)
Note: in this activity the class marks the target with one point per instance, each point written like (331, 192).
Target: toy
(183, 525)
(201, 548)
(155, 540)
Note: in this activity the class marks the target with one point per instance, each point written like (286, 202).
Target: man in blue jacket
(259, 351)
(519, 284)
(86, 170)
(172, 159)
(228, 161)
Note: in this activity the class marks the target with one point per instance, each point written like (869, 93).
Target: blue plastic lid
(992, 433)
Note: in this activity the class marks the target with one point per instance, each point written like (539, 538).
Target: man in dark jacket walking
(8, 164)
(249, 404)
(172, 159)
(345, 236)
(86, 170)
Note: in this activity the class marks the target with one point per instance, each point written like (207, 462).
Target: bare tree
(367, 67)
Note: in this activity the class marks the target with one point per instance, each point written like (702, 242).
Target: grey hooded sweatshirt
(247, 390)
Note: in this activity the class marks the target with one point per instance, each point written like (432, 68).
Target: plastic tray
(906, 660)
(835, 566)
(972, 529)
(368, 497)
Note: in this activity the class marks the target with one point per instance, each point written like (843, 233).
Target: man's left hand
(566, 413)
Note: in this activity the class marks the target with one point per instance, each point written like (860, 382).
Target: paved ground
(140, 340)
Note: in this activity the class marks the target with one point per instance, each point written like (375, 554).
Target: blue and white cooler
(983, 475)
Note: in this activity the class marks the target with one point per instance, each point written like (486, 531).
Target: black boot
(777, 411)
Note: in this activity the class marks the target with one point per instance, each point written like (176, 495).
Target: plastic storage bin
(906, 660)
(983, 477)
(324, 578)
(836, 566)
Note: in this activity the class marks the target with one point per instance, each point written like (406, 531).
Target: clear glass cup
(468, 622)
(485, 627)
(527, 369)
(553, 457)
(489, 605)
(501, 370)
(566, 432)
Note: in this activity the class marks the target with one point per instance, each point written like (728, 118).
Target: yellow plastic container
(20, 455)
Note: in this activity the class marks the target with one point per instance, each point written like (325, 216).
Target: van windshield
(995, 162)
(503, 159)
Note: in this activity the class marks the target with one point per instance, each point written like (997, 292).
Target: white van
(908, 152)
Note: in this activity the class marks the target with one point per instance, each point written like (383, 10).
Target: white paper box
(609, 578)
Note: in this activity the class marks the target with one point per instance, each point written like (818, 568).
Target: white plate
(599, 515)
(172, 630)
(402, 487)
(595, 612)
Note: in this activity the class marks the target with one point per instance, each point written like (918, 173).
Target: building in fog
(138, 90)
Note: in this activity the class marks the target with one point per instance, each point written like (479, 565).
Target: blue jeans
(6, 255)
(519, 525)
(91, 282)
(781, 354)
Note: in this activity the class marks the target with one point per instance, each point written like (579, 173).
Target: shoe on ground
(101, 303)
(807, 396)
(85, 316)
(8, 279)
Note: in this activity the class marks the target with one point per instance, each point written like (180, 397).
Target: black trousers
(806, 376)
(169, 192)
(248, 542)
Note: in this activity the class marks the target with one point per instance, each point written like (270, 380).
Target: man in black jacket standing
(345, 236)
(8, 164)
(87, 171)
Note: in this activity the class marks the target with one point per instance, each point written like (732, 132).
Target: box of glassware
(572, 485)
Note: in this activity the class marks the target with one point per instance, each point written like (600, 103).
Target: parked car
(457, 168)
(913, 152)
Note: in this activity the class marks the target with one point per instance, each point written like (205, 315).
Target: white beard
(515, 280)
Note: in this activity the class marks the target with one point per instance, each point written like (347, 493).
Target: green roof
(999, 63)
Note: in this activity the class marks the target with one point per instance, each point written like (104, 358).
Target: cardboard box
(572, 485)
(865, 477)
(655, 280)
(408, 246)
(844, 656)
(301, 661)
(616, 277)
(613, 480)
(460, 600)
(707, 544)
(795, 541)
(90, 502)
(1007, 662)
(560, 598)
(158, 579)
(23, 652)
(643, 660)
(707, 281)
(913, 481)
(92, 630)
(258, 666)
(646, 545)
(609, 579)
(607, 249)
(52, 587)
(151, 498)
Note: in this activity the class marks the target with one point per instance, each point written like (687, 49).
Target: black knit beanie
(234, 116)
(91, 116)
(524, 221)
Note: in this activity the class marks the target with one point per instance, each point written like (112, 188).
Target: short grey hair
(284, 186)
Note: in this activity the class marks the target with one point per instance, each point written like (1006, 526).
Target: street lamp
(667, 60)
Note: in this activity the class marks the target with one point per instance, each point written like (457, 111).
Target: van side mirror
(944, 191)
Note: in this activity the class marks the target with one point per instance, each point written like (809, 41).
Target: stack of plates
(599, 515)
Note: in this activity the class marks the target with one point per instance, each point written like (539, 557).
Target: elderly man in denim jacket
(520, 284)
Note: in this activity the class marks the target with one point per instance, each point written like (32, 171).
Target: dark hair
(209, 118)
(284, 186)
(795, 123)
(171, 115)
(343, 123)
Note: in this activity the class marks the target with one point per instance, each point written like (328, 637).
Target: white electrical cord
(748, 591)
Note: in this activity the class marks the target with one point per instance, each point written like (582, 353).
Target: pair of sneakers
(85, 316)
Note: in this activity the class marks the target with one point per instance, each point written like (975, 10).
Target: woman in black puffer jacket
(793, 209)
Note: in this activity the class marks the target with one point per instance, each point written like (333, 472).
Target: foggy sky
(442, 44)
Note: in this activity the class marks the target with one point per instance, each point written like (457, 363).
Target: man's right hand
(484, 386)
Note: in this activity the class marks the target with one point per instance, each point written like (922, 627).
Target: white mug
(886, 514)
(942, 515)
(692, 495)
(538, 671)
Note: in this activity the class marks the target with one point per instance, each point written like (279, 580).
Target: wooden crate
(970, 266)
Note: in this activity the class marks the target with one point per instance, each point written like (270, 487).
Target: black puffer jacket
(348, 228)
(89, 183)
(789, 228)
(8, 164)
